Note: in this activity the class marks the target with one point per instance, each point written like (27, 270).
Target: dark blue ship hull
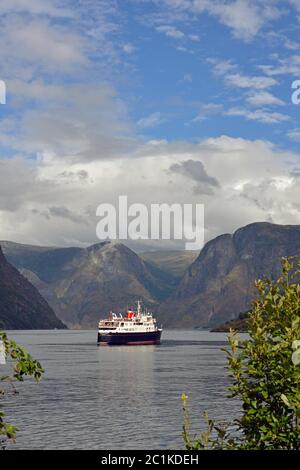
(151, 337)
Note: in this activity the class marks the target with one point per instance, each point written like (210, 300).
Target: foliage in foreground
(22, 365)
(265, 370)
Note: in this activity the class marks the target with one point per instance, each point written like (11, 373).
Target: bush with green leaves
(22, 365)
(265, 373)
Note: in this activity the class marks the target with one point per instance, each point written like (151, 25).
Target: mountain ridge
(84, 284)
(219, 285)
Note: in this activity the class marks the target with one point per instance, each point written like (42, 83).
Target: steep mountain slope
(175, 263)
(218, 286)
(21, 305)
(239, 324)
(83, 285)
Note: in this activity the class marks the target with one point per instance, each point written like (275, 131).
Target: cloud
(221, 67)
(262, 115)
(151, 121)
(263, 98)
(73, 176)
(194, 37)
(170, 31)
(64, 213)
(79, 122)
(42, 37)
(188, 77)
(34, 7)
(245, 18)
(195, 171)
(292, 45)
(295, 3)
(294, 134)
(72, 143)
(287, 66)
(62, 102)
(129, 48)
(17, 177)
(295, 172)
(31, 46)
(257, 93)
(184, 49)
(223, 170)
(254, 82)
(209, 109)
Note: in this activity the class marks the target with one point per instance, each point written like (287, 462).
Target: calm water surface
(118, 397)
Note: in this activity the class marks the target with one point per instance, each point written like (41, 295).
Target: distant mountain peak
(106, 245)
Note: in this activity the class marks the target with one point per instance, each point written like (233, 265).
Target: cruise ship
(136, 327)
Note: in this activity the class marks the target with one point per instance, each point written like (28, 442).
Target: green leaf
(296, 357)
(296, 344)
(285, 400)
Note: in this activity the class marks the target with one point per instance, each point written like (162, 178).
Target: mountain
(173, 262)
(239, 324)
(21, 305)
(220, 283)
(84, 284)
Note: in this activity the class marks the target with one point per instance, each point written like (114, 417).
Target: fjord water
(126, 397)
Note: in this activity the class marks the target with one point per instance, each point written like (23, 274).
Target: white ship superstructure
(136, 327)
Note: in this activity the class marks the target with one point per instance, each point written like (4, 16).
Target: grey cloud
(295, 172)
(35, 7)
(44, 214)
(80, 175)
(65, 213)
(80, 122)
(29, 188)
(17, 181)
(195, 171)
(37, 46)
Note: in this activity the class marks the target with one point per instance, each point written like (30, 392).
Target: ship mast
(139, 308)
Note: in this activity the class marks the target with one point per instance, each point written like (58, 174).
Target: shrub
(265, 371)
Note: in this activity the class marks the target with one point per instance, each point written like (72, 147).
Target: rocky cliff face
(21, 305)
(83, 285)
(173, 263)
(218, 286)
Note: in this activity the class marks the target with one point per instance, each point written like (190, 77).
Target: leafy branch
(22, 365)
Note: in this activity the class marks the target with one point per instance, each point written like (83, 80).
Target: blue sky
(178, 82)
(100, 90)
